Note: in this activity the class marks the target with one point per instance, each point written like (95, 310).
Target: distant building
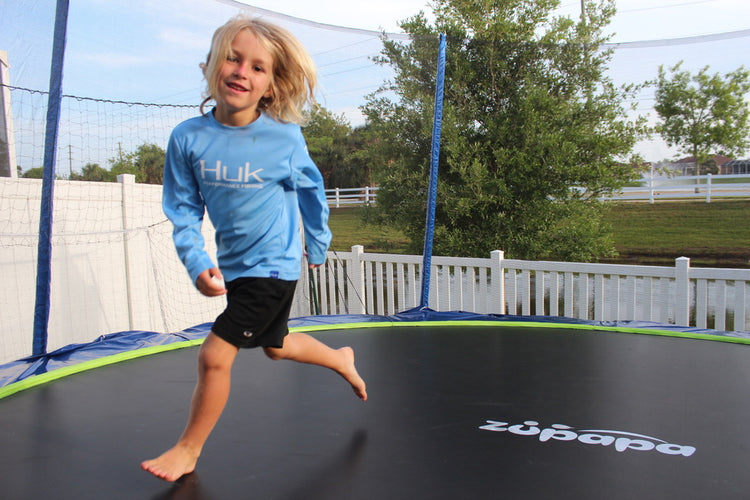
(686, 166)
(735, 167)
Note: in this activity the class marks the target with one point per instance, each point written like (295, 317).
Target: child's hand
(211, 283)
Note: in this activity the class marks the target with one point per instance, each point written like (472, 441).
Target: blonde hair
(293, 80)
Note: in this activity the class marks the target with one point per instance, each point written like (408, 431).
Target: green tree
(338, 150)
(146, 163)
(150, 164)
(94, 173)
(703, 113)
(325, 134)
(34, 173)
(361, 159)
(533, 133)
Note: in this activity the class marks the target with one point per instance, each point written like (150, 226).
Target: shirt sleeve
(312, 204)
(184, 207)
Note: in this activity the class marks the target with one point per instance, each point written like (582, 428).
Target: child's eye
(258, 68)
(232, 58)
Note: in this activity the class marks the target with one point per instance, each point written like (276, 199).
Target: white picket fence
(357, 283)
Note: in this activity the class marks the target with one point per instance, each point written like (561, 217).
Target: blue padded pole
(434, 157)
(44, 255)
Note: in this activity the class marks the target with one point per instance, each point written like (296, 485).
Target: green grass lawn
(348, 230)
(713, 234)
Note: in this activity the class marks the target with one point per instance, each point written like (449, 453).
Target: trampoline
(460, 406)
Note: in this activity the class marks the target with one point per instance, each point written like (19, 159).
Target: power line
(655, 7)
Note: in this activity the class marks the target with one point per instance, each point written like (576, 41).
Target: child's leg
(305, 349)
(209, 398)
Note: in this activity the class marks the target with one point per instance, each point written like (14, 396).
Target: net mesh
(131, 74)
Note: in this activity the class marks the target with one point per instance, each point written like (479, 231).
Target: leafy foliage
(93, 172)
(146, 163)
(703, 113)
(336, 149)
(533, 131)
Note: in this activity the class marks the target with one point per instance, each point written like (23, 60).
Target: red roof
(719, 159)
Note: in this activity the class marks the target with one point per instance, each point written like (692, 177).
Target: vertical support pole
(708, 188)
(44, 255)
(682, 291)
(127, 181)
(434, 159)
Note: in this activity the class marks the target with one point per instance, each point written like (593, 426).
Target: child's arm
(313, 207)
(183, 205)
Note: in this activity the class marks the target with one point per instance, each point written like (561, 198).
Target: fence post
(127, 182)
(356, 266)
(708, 188)
(497, 280)
(338, 198)
(682, 291)
(740, 301)
(651, 188)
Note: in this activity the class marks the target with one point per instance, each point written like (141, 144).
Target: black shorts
(257, 312)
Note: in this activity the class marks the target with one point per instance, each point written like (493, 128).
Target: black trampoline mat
(455, 412)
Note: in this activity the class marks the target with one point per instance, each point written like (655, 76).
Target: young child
(246, 162)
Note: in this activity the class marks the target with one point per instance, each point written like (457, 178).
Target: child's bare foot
(350, 374)
(172, 464)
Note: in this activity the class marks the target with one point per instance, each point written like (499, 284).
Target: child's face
(244, 78)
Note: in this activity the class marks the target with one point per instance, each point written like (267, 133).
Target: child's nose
(242, 70)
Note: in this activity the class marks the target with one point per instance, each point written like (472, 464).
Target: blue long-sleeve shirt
(254, 182)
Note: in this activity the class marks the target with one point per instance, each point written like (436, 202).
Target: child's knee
(210, 363)
(273, 353)
(216, 354)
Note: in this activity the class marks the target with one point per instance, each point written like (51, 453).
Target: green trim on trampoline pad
(525, 324)
(37, 380)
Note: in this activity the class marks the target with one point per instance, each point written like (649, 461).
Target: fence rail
(351, 196)
(652, 189)
(704, 187)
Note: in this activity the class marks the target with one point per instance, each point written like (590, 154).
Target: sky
(636, 20)
(148, 51)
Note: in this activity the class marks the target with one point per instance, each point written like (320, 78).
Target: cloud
(375, 16)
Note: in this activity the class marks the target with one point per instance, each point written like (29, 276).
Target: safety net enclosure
(129, 72)
(462, 405)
